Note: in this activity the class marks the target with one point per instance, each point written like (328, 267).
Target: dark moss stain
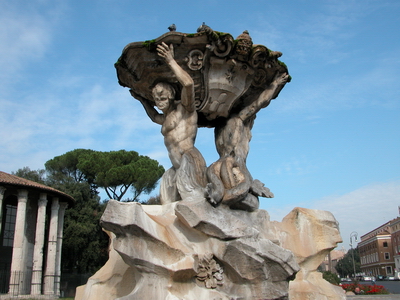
(150, 45)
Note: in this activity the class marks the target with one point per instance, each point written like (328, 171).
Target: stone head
(316, 232)
(244, 45)
(163, 95)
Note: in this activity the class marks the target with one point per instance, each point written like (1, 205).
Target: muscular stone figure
(187, 177)
(230, 180)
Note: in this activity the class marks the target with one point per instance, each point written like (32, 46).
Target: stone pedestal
(191, 250)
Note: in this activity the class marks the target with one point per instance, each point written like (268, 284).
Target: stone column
(2, 191)
(63, 206)
(18, 259)
(36, 286)
(52, 250)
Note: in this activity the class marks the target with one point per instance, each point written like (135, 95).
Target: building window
(385, 244)
(387, 255)
(388, 270)
(9, 225)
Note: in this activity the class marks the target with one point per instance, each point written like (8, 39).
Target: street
(392, 286)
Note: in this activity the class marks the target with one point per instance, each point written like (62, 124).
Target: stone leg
(168, 190)
(215, 187)
(191, 176)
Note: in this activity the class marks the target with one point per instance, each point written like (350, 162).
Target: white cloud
(43, 126)
(361, 210)
(375, 86)
(25, 35)
(364, 209)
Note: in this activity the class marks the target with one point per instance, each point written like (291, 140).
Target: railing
(20, 283)
(16, 282)
(4, 281)
(69, 282)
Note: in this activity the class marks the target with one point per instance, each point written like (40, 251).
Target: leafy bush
(331, 277)
(366, 288)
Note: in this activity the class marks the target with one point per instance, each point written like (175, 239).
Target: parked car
(345, 279)
(390, 278)
(367, 278)
(380, 277)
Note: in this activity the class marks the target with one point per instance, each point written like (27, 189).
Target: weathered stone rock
(174, 259)
(191, 250)
(220, 223)
(115, 279)
(311, 235)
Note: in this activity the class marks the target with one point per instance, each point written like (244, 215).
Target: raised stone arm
(265, 97)
(153, 114)
(183, 77)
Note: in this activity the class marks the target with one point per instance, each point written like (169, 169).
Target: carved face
(162, 100)
(323, 229)
(163, 95)
(314, 232)
(243, 49)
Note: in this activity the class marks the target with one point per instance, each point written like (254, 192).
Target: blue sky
(330, 140)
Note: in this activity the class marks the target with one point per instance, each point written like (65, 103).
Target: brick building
(395, 228)
(331, 260)
(377, 250)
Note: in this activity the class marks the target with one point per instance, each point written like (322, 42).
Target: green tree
(119, 171)
(115, 171)
(85, 245)
(153, 200)
(38, 176)
(331, 277)
(65, 168)
(345, 266)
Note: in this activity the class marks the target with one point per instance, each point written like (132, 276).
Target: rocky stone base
(191, 250)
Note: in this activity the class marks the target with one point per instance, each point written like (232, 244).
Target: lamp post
(354, 235)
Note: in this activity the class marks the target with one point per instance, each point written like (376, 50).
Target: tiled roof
(6, 178)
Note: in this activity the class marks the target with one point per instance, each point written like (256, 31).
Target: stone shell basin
(224, 81)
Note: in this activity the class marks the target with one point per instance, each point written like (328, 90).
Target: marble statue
(208, 239)
(209, 80)
(311, 235)
(186, 178)
(230, 180)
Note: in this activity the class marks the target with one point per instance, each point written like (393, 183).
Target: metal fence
(4, 281)
(69, 282)
(15, 283)
(20, 283)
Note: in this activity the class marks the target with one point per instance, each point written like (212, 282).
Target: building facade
(31, 231)
(331, 260)
(376, 251)
(395, 227)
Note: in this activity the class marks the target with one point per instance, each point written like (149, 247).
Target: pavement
(374, 297)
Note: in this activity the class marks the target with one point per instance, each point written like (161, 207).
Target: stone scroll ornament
(206, 79)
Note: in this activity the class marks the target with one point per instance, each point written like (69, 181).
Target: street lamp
(354, 235)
